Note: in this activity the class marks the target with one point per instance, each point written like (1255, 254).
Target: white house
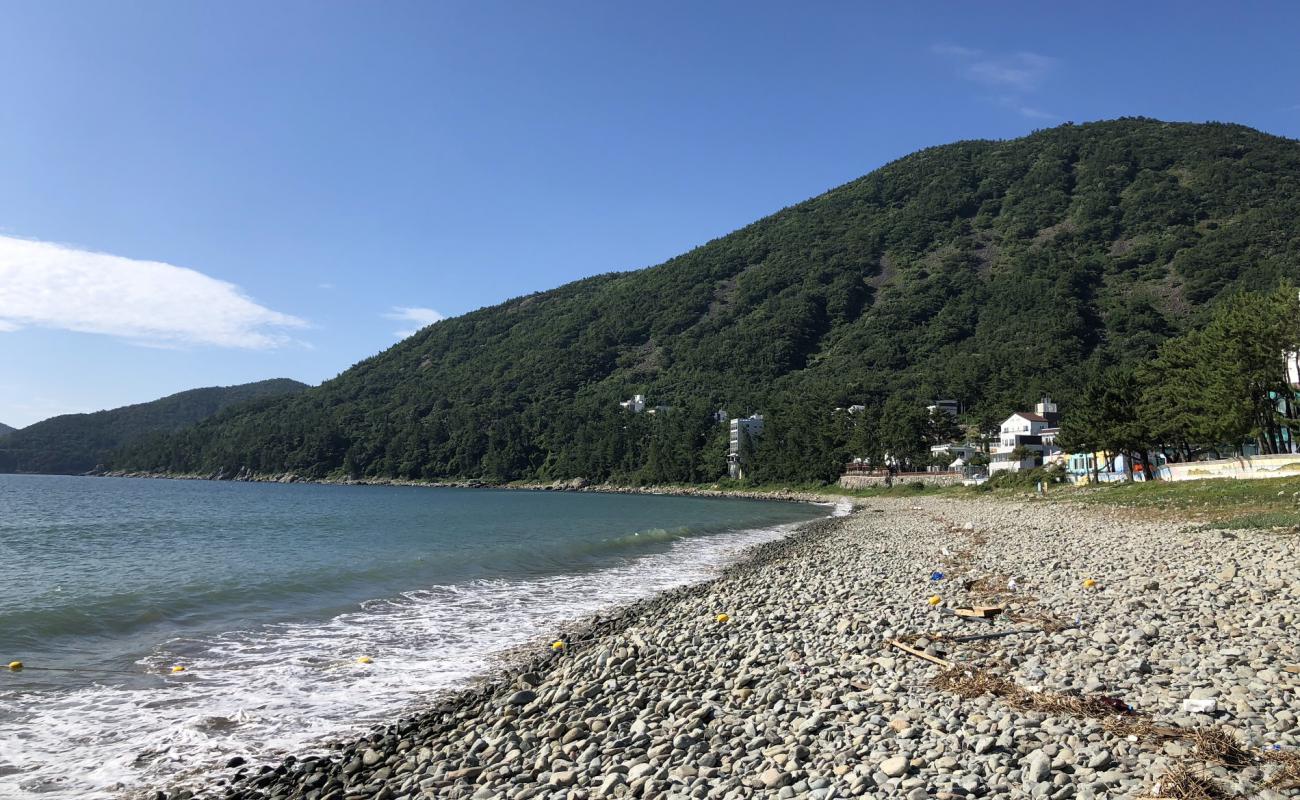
(636, 405)
(949, 407)
(1024, 431)
(952, 453)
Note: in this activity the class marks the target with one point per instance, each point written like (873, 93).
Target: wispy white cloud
(49, 285)
(1022, 72)
(1018, 105)
(1034, 113)
(420, 317)
(1015, 74)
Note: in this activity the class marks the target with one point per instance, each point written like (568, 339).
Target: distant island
(984, 273)
(77, 443)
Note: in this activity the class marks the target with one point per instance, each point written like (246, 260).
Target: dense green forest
(75, 443)
(988, 272)
(1207, 391)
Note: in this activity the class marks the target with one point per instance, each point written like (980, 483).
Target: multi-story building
(636, 405)
(1020, 441)
(742, 429)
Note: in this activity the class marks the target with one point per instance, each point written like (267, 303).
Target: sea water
(268, 595)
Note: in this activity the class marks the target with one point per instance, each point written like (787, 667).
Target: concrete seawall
(927, 478)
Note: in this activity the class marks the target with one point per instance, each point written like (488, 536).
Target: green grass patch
(1220, 503)
(1287, 520)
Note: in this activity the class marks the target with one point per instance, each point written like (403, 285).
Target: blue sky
(200, 194)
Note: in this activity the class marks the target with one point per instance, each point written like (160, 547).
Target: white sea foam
(288, 688)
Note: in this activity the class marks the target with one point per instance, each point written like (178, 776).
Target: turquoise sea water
(268, 594)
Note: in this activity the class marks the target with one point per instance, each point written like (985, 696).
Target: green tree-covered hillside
(989, 272)
(6, 429)
(75, 443)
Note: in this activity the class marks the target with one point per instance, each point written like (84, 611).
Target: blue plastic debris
(936, 576)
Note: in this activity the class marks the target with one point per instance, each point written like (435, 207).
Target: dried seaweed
(1182, 783)
(969, 684)
(989, 584)
(1211, 745)
(1288, 777)
(1219, 746)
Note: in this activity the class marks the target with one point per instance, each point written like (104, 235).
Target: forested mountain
(989, 272)
(6, 429)
(75, 443)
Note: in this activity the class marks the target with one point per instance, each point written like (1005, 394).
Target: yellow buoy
(15, 665)
(723, 618)
(935, 600)
(557, 645)
(1088, 583)
(178, 668)
(365, 660)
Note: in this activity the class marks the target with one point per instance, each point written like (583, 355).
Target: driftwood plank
(912, 651)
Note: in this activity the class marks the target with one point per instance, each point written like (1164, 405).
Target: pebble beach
(1115, 656)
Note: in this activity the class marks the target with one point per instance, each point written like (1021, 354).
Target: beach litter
(979, 637)
(1206, 705)
(921, 654)
(979, 612)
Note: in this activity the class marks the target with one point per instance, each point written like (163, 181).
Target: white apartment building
(751, 426)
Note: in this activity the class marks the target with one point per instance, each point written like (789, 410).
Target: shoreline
(397, 685)
(799, 692)
(534, 657)
(571, 485)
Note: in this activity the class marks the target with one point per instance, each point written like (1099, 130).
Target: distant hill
(989, 272)
(6, 429)
(76, 443)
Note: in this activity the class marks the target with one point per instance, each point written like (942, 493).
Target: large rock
(1036, 769)
(522, 698)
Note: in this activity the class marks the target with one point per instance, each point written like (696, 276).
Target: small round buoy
(15, 665)
(1088, 583)
(935, 600)
(178, 668)
(723, 618)
(558, 644)
(365, 660)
